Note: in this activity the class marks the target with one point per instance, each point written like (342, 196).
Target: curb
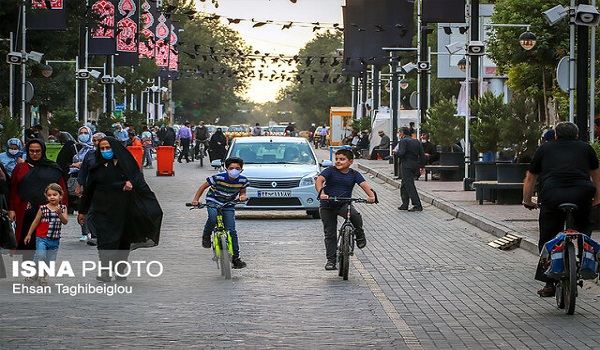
(470, 217)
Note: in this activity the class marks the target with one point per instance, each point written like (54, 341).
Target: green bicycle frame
(218, 232)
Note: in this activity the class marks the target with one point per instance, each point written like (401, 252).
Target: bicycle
(345, 246)
(200, 149)
(222, 244)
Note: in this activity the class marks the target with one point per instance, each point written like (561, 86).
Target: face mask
(233, 173)
(424, 141)
(107, 154)
(14, 152)
(84, 137)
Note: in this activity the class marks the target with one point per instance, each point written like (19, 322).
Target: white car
(281, 172)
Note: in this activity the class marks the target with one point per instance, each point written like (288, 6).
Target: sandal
(43, 281)
(30, 279)
(547, 291)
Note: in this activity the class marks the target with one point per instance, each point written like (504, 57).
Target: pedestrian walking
(27, 185)
(47, 225)
(412, 158)
(123, 209)
(257, 130)
(147, 146)
(184, 135)
(217, 145)
(13, 155)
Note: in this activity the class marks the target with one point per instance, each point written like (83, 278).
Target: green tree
(485, 131)
(214, 72)
(530, 72)
(442, 124)
(520, 130)
(319, 85)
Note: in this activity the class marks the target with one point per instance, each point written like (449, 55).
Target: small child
(224, 187)
(47, 224)
(339, 180)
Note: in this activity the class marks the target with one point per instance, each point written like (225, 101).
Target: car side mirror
(326, 163)
(216, 163)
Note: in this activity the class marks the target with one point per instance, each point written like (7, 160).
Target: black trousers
(185, 150)
(329, 219)
(408, 190)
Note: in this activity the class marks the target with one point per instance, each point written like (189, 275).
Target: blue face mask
(84, 138)
(108, 154)
(233, 173)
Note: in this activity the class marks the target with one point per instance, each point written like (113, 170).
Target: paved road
(425, 280)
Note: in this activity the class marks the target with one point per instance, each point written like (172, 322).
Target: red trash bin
(137, 152)
(164, 160)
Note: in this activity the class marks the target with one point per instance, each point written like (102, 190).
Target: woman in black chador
(216, 146)
(123, 211)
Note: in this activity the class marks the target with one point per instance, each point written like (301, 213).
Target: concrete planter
(511, 172)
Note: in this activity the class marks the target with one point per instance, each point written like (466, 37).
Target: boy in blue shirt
(340, 180)
(222, 188)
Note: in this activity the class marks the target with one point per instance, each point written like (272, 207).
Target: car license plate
(263, 194)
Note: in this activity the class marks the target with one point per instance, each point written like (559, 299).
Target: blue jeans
(147, 156)
(45, 249)
(228, 221)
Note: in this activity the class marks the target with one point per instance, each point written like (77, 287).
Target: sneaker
(206, 242)
(330, 265)
(83, 238)
(92, 242)
(238, 263)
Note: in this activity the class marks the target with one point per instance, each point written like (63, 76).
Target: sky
(270, 38)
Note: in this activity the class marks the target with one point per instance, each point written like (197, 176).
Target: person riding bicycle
(223, 188)
(564, 168)
(202, 135)
(338, 181)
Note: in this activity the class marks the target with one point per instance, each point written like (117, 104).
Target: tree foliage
(520, 130)
(442, 124)
(485, 131)
(317, 87)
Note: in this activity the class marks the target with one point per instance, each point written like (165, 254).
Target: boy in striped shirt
(222, 188)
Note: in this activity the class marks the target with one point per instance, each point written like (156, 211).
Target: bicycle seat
(566, 207)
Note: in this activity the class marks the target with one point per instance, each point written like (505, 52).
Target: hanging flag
(42, 17)
(162, 34)
(148, 21)
(102, 33)
(127, 38)
(174, 51)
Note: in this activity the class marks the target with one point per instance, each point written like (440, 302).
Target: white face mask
(233, 173)
(13, 151)
(424, 141)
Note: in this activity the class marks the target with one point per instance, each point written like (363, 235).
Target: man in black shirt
(430, 149)
(564, 168)
(202, 136)
(411, 155)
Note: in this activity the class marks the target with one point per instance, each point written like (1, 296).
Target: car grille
(273, 202)
(269, 183)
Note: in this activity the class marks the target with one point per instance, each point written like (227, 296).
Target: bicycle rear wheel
(344, 256)
(569, 286)
(225, 257)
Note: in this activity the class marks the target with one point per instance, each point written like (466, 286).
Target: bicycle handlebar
(212, 205)
(349, 199)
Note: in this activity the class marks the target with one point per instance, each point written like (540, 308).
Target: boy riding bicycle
(223, 188)
(340, 180)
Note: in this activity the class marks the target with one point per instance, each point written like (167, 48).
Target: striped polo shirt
(223, 189)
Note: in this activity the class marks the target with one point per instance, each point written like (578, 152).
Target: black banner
(127, 39)
(40, 17)
(443, 11)
(148, 19)
(371, 25)
(103, 33)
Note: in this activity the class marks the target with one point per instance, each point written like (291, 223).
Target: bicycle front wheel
(225, 257)
(344, 266)
(570, 280)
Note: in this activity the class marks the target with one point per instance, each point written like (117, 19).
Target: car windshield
(274, 153)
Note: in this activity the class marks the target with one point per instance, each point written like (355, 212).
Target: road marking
(409, 337)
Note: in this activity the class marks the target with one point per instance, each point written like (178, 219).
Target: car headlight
(308, 181)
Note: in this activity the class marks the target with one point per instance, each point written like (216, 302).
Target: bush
(11, 129)
(485, 130)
